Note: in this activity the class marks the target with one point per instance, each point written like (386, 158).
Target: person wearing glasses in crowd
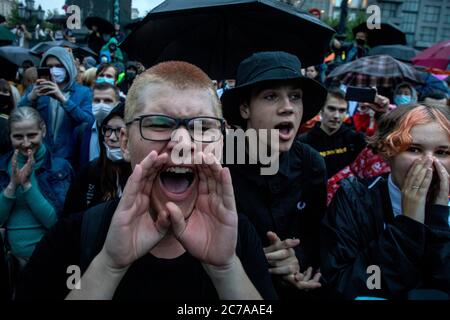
(104, 178)
(175, 232)
(86, 136)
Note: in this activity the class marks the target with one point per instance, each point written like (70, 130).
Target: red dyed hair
(393, 134)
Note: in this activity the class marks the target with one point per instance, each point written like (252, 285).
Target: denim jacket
(78, 110)
(54, 178)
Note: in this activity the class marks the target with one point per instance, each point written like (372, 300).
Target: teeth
(179, 170)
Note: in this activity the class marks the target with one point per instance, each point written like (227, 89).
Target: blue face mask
(59, 74)
(402, 99)
(105, 80)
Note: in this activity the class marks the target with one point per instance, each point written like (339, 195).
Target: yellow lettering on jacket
(327, 153)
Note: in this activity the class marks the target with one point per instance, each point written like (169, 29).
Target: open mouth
(177, 180)
(286, 129)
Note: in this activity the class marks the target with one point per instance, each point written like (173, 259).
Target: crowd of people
(90, 177)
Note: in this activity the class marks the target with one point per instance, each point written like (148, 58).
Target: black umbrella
(217, 35)
(81, 52)
(104, 26)
(387, 34)
(133, 24)
(41, 47)
(2, 19)
(17, 55)
(397, 51)
(60, 19)
(13, 57)
(77, 51)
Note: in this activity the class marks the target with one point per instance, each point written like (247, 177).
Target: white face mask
(59, 74)
(100, 111)
(113, 154)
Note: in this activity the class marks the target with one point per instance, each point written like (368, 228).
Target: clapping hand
(283, 261)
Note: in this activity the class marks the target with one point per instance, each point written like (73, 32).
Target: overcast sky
(142, 5)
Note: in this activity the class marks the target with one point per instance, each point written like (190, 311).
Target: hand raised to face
(441, 185)
(415, 189)
(210, 232)
(133, 232)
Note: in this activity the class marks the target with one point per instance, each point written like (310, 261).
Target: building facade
(331, 8)
(103, 9)
(134, 13)
(325, 6)
(354, 8)
(5, 7)
(425, 22)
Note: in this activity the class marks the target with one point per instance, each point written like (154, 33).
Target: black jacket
(290, 203)
(5, 141)
(360, 230)
(339, 149)
(78, 239)
(84, 192)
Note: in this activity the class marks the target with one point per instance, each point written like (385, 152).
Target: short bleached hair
(178, 74)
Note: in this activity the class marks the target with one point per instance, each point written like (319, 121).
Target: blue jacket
(54, 178)
(82, 140)
(77, 109)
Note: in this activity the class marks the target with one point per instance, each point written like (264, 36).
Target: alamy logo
(74, 20)
(263, 147)
(74, 280)
(374, 280)
(374, 21)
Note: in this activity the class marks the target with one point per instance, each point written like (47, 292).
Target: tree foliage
(361, 17)
(14, 18)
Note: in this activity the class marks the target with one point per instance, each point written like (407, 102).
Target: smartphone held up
(360, 94)
(44, 73)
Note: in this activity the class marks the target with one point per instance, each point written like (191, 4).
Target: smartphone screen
(44, 73)
(360, 94)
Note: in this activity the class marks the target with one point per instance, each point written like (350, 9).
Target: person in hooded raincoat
(61, 101)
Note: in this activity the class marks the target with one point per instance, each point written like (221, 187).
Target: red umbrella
(437, 56)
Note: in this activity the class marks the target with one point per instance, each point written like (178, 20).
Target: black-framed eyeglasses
(107, 131)
(156, 127)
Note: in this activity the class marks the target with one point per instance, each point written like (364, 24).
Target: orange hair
(180, 75)
(393, 134)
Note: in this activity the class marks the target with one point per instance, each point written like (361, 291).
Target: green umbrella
(6, 35)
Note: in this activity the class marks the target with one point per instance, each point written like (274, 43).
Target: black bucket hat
(268, 66)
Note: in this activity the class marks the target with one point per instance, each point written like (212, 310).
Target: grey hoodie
(67, 60)
(410, 86)
(55, 108)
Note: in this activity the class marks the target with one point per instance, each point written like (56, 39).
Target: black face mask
(4, 102)
(360, 42)
(131, 75)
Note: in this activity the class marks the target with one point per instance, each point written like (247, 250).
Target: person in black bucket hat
(286, 208)
(263, 69)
